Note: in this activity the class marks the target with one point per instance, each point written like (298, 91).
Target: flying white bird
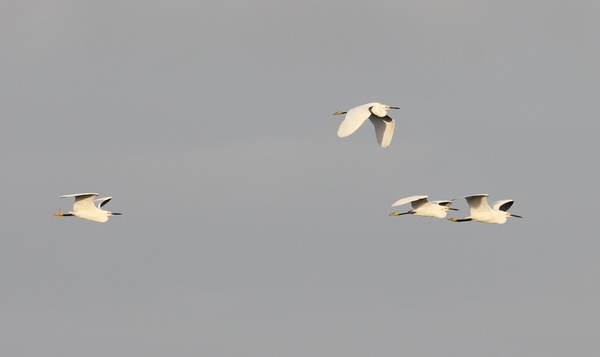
(482, 212)
(85, 208)
(377, 113)
(422, 207)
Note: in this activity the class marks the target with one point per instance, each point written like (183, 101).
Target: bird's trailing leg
(339, 112)
(460, 220)
(60, 214)
(399, 213)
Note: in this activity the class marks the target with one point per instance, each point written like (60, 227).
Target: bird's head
(381, 109)
(445, 205)
(448, 208)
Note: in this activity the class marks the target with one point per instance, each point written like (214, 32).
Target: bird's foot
(59, 214)
(452, 219)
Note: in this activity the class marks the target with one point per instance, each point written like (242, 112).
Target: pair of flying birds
(478, 205)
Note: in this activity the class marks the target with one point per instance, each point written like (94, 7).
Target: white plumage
(377, 113)
(85, 208)
(422, 207)
(482, 212)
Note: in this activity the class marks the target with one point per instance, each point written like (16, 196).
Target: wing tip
(408, 199)
(78, 194)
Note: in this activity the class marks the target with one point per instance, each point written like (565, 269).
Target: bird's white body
(482, 212)
(85, 208)
(377, 113)
(422, 207)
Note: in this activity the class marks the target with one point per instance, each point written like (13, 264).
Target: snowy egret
(85, 208)
(482, 212)
(377, 112)
(422, 207)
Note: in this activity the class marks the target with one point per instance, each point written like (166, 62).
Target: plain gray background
(249, 228)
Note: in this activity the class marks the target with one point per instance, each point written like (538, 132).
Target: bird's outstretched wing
(418, 203)
(406, 200)
(446, 203)
(103, 201)
(83, 201)
(355, 117)
(384, 129)
(503, 205)
(478, 203)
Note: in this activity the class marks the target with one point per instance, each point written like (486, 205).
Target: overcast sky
(249, 228)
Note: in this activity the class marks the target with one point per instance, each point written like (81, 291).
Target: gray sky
(249, 227)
